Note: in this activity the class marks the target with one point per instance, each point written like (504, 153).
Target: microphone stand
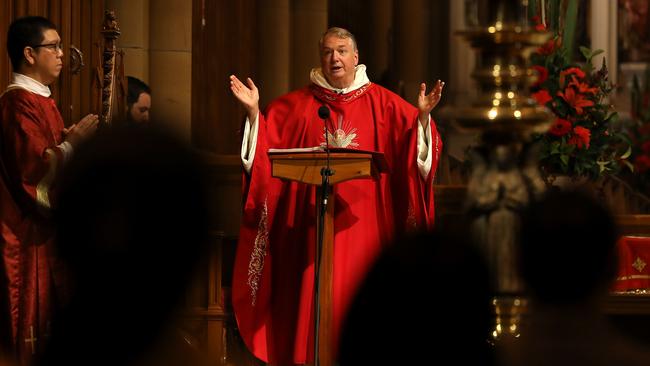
(325, 173)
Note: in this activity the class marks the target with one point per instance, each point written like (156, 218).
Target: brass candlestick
(504, 174)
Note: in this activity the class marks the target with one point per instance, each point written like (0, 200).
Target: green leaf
(627, 153)
(565, 159)
(570, 19)
(602, 166)
(586, 52)
(552, 15)
(532, 8)
(612, 117)
(596, 53)
(555, 148)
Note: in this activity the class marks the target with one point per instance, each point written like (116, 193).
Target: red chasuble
(273, 276)
(30, 128)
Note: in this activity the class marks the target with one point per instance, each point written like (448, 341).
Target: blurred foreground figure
(132, 225)
(568, 263)
(426, 301)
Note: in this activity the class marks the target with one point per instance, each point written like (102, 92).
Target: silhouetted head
(138, 100)
(568, 248)
(132, 224)
(426, 298)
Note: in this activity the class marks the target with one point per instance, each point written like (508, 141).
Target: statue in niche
(499, 188)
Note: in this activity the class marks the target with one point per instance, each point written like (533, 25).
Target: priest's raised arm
(273, 276)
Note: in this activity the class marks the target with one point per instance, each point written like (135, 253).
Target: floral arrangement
(581, 141)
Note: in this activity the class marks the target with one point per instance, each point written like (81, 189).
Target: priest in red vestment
(274, 272)
(33, 146)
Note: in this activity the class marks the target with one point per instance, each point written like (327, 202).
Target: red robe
(273, 276)
(30, 129)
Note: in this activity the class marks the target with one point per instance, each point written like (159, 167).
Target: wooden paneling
(78, 23)
(222, 44)
(6, 11)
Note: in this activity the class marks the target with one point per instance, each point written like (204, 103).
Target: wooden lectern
(306, 167)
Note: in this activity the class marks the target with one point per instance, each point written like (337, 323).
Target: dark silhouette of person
(132, 225)
(568, 261)
(426, 298)
(138, 101)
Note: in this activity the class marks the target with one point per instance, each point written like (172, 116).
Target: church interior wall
(157, 41)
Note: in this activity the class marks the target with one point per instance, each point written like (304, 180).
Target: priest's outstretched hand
(248, 96)
(426, 102)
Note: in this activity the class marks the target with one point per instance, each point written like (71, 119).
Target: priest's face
(338, 59)
(46, 59)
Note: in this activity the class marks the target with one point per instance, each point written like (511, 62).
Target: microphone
(323, 112)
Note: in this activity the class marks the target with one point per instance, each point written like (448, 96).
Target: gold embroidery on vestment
(411, 221)
(256, 263)
(43, 187)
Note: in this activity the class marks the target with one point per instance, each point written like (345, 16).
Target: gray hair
(337, 32)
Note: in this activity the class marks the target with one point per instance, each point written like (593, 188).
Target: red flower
(580, 138)
(542, 97)
(549, 47)
(582, 87)
(542, 72)
(642, 163)
(573, 71)
(540, 27)
(575, 100)
(560, 127)
(570, 71)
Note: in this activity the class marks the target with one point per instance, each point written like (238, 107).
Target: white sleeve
(66, 150)
(249, 143)
(424, 149)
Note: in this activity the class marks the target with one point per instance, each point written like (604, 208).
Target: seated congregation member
(274, 272)
(34, 146)
(426, 301)
(132, 227)
(568, 262)
(138, 101)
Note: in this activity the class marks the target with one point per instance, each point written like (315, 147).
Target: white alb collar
(20, 81)
(360, 79)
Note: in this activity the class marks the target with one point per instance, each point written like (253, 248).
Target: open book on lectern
(377, 157)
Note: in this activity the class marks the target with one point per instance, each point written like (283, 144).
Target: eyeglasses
(52, 46)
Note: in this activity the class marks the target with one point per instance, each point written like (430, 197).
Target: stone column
(308, 23)
(274, 49)
(171, 64)
(411, 19)
(133, 17)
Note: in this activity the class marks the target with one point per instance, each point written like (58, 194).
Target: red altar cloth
(634, 264)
